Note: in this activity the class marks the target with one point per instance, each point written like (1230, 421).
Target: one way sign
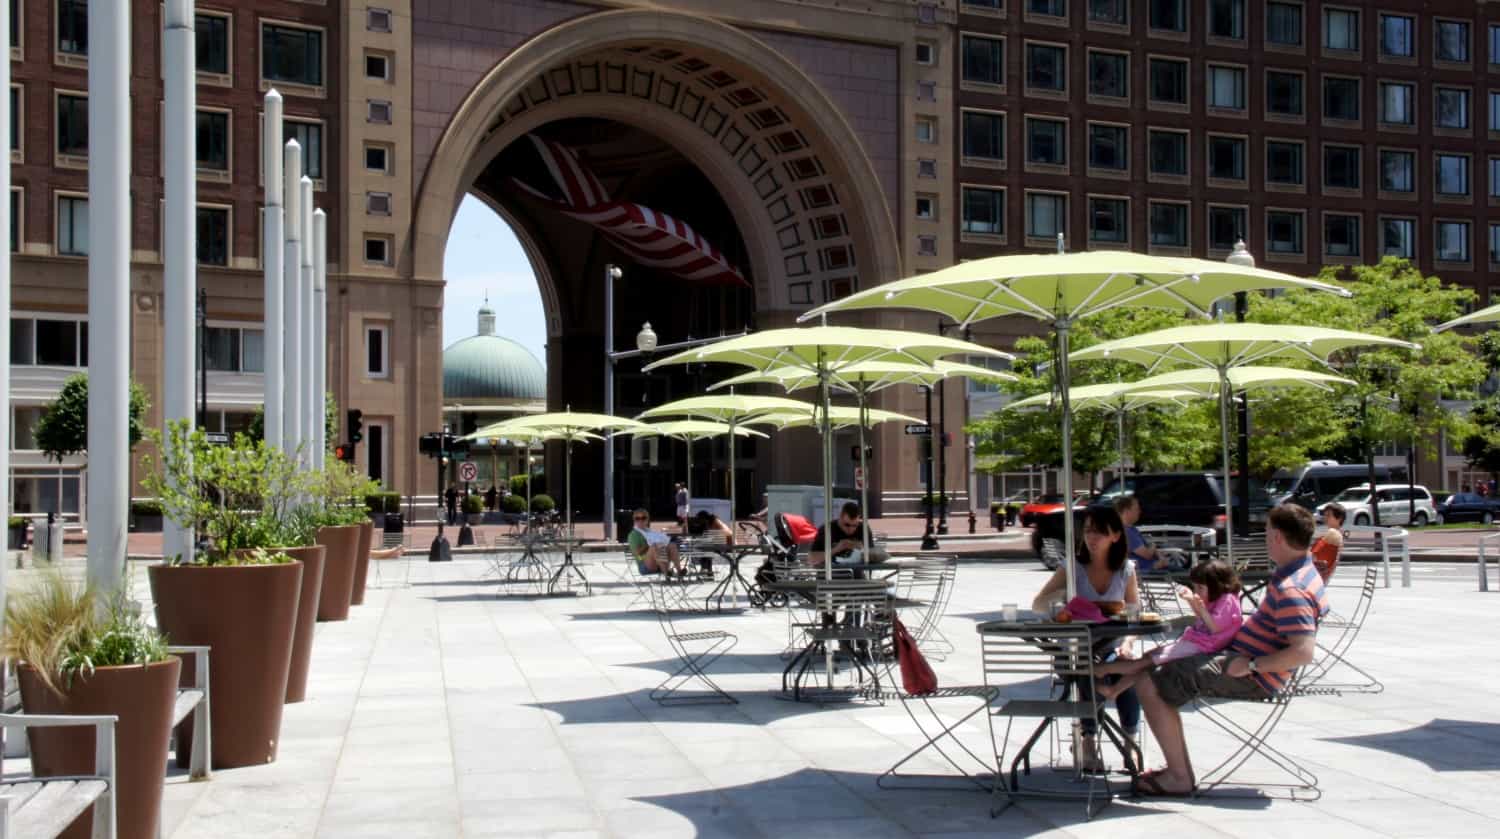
(918, 428)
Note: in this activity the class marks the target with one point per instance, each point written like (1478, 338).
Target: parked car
(1320, 481)
(1468, 506)
(1042, 505)
(1396, 507)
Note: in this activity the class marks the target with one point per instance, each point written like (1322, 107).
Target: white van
(1320, 481)
(1396, 507)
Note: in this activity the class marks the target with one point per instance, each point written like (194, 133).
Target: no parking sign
(467, 471)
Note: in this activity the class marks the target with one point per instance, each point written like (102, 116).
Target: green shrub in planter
(518, 484)
(473, 504)
(16, 521)
(58, 628)
(149, 507)
(513, 503)
(383, 502)
(542, 504)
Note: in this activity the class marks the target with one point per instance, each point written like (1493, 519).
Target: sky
(484, 257)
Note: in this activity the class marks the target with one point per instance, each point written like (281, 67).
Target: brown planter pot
(247, 614)
(362, 562)
(338, 570)
(142, 697)
(312, 559)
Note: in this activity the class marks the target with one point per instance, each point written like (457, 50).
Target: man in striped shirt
(1261, 659)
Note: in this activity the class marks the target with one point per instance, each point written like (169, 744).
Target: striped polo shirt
(1294, 602)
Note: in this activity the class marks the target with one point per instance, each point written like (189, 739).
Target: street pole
(941, 440)
(5, 117)
(202, 359)
(271, 264)
(109, 292)
(180, 293)
(1242, 438)
(611, 273)
(929, 539)
(320, 337)
(291, 273)
(304, 325)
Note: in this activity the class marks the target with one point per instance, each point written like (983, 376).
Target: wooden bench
(194, 699)
(44, 807)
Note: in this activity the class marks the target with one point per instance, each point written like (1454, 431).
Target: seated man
(1260, 661)
(705, 524)
(653, 550)
(850, 533)
(1147, 558)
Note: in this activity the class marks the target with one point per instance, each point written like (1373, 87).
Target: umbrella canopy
(1229, 345)
(830, 348)
(1489, 314)
(839, 417)
(1204, 381)
(692, 430)
(1072, 285)
(514, 432)
(1113, 396)
(726, 407)
(870, 376)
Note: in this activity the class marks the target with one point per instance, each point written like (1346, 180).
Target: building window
(291, 54)
(73, 226)
(377, 66)
(1052, 8)
(984, 211)
(17, 116)
(1451, 107)
(1494, 111)
(1494, 253)
(1110, 11)
(377, 158)
(926, 91)
(1284, 93)
(984, 60)
(1046, 67)
(15, 27)
(1046, 215)
(926, 207)
(213, 236)
(1452, 172)
(1226, 158)
(378, 20)
(926, 53)
(1341, 29)
(1109, 147)
(1398, 171)
(309, 135)
(926, 130)
(1109, 75)
(1341, 167)
(1398, 103)
(72, 27)
(1169, 225)
(1046, 141)
(378, 203)
(1495, 43)
(1170, 15)
(1398, 237)
(984, 135)
(1169, 80)
(1341, 235)
(377, 250)
(1398, 36)
(1341, 98)
(1451, 39)
(1452, 241)
(1284, 23)
(213, 140)
(1226, 19)
(1284, 163)
(72, 124)
(15, 220)
(1283, 231)
(379, 111)
(1226, 87)
(48, 342)
(927, 245)
(377, 362)
(1109, 220)
(211, 38)
(1495, 177)
(234, 349)
(1226, 226)
(1167, 152)
(926, 167)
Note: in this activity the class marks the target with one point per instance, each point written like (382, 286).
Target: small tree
(257, 428)
(63, 429)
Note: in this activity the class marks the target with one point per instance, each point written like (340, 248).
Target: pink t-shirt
(1227, 617)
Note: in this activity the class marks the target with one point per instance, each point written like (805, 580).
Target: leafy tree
(1481, 448)
(257, 429)
(64, 429)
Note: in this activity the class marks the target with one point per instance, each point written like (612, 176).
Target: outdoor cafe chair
(1160, 596)
(1252, 739)
(379, 558)
(927, 582)
(1336, 634)
(856, 616)
(695, 651)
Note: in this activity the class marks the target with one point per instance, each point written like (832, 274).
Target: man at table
(653, 549)
(850, 533)
(1260, 661)
(1147, 558)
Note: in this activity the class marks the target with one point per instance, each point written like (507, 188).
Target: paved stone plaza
(441, 710)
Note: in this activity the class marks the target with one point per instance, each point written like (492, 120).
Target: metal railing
(1382, 537)
(1484, 575)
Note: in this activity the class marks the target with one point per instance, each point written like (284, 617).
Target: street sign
(859, 478)
(468, 471)
(917, 428)
(219, 437)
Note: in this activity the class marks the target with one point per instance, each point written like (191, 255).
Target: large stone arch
(791, 169)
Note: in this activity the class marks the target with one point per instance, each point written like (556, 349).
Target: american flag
(653, 239)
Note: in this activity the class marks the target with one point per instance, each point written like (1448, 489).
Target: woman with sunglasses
(653, 550)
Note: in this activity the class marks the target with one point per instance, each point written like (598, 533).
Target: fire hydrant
(971, 519)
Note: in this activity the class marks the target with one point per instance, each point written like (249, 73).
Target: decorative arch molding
(790, 168)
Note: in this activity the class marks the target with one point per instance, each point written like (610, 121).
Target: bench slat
(187, 700)
(20, 793)
(55, 807)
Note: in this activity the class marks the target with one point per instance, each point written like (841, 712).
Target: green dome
(486, 367)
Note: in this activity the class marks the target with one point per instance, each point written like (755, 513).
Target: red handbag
(917, 677)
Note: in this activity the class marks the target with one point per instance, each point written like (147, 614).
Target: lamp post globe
(1240, 256)
(645, 340)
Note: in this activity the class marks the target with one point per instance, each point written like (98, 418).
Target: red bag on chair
(917, 677)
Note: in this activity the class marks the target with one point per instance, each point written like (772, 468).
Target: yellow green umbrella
(1488, 314)
(690, 432)
(1115, 397)
(571, 427)
(508, 430)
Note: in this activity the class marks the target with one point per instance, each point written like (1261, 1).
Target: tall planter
(247, 614)
(312, 559)
(338, 570)
(362, 562)
(142, 697)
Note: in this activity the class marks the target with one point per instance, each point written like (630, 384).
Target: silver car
(1396, 505)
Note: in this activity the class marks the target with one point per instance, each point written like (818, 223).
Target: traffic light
(344, 452)
(354, 424)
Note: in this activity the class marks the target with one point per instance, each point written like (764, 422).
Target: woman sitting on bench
(652, 549)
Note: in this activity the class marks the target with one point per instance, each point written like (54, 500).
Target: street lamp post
(929, 538)
(611, 273)
(203, 359)
(1241, 524)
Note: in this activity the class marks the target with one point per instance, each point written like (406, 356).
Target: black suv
(1192, 499)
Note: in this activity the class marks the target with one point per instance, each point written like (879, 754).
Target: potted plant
(473, 507)
(80, 652)
(542, 504)
(146, 515)
(344, 529)
(15, 532)
(236, 596)
(512, 506)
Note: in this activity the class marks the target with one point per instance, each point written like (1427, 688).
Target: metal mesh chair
(929, 581)
(1060, 657)
(379, 561)
(697, 651)
(1337, 633)
(862, 632)
(1160, 596)
(1253, 740)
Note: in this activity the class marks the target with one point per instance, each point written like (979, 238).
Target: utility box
(806, 501)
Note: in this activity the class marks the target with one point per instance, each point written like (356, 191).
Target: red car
(1042, 505)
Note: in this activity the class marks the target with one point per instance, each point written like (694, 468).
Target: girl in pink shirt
(1215, 599)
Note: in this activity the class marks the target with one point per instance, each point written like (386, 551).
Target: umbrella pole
(568, 491)
(1120, 419)
(688, 483)
(1063, 324)
(1224, 397)
(864, 483)
(827, 499)
(733, 495)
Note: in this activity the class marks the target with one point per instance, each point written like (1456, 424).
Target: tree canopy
(63, 429)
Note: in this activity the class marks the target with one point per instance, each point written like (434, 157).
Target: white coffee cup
(1009, 612)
